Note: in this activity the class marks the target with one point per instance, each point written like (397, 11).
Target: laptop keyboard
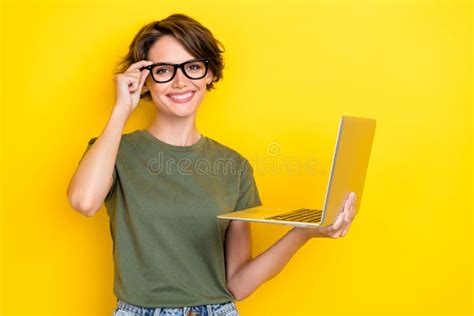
(300, 215)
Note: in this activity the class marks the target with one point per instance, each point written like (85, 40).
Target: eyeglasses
(193, 69)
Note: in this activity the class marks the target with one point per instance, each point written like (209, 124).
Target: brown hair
(195, 38)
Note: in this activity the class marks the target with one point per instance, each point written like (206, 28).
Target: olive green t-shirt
(168, 244)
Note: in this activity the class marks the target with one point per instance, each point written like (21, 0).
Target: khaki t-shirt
(168, 244)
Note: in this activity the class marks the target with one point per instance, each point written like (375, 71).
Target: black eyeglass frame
(175, 69)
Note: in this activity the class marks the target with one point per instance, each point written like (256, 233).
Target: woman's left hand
(340, 226)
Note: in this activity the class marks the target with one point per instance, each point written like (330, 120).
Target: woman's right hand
(128, 86)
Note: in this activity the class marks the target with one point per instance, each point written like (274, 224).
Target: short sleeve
(248, 191)
(89, 145)
(114, 173)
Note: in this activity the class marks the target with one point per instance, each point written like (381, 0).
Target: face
(168, 49)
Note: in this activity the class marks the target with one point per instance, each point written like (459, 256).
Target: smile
(181, 98)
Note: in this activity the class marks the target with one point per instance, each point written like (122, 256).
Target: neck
(178, 131)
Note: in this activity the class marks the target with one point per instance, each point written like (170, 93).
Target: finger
(338, 222)
(353, 206)
(347, 224)
(138, 80)
(344, 232)
(347, 205)
(350, 200)
(134, 84)
(130, 78)
(138, 65)
(338, 232)
(350, 217)
(143, 77)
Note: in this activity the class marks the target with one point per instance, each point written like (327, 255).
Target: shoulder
(225, 151)
(227, 154)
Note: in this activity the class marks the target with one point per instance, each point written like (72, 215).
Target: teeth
(181, 96)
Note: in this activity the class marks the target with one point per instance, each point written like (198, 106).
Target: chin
(171, 109)
(183, 114)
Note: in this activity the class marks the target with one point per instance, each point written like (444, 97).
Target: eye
(195, 66)
(159, 70)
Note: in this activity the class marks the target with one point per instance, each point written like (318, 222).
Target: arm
(92, 179)
(245, 275)
(238, 247)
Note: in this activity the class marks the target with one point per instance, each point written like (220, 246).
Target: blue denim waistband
(202, 310)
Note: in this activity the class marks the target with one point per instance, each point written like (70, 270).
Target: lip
(178, 93)
(183, 100)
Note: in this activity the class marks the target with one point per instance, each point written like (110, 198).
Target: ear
(209, 77)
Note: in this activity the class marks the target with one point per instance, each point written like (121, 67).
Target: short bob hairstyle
(195, 38)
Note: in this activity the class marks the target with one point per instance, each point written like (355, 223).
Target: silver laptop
(348, 170)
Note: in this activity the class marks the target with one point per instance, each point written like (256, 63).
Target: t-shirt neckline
(193, 147)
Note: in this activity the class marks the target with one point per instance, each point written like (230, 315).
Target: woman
(163, 186)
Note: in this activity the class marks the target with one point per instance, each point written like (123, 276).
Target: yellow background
(292, 68)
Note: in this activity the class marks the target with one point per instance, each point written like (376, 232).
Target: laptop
(348, 170)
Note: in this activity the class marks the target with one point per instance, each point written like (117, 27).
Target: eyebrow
(168, 62)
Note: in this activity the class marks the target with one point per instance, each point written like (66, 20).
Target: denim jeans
(221, 309)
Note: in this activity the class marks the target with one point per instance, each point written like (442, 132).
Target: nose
(179, 79)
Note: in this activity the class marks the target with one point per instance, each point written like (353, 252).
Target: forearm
(266, 265)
